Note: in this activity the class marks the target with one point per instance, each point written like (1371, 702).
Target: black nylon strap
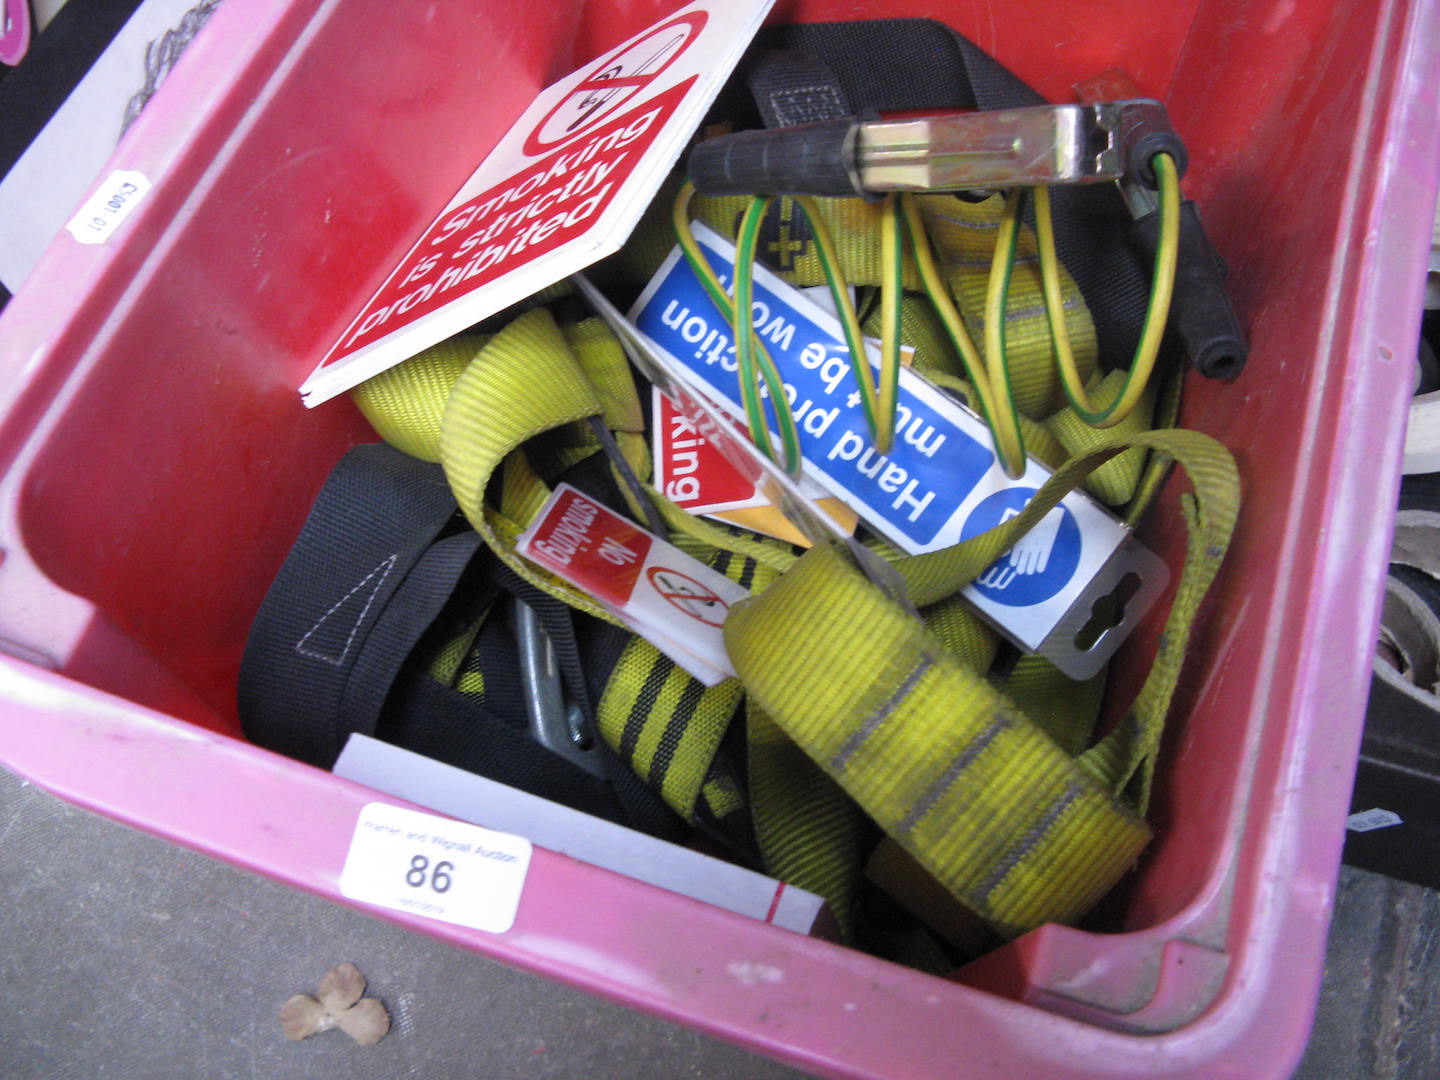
(888, 64)
(894, 64)
(383, 563)
(444, 724)
(795, 88)
(412, 609)
(375, 518)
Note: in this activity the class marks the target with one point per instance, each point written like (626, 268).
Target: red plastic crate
(157, 465)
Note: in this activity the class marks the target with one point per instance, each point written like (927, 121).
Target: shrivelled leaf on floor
(340, 1005)
(340, 987)
(301, 1017)
(367, 1022)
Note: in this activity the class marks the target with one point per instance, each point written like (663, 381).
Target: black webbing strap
(793, 87)
(384, 562)
(423, 592)
(442, 723)
(315, 668)
(896, 64)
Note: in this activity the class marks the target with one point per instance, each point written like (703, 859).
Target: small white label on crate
(112, 203)
(433, 866)
(1366, 820)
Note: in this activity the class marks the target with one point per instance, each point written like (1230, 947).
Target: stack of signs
(940, 483)
(563, 189)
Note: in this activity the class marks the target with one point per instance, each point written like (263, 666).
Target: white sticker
(108, 207)
(433, 866)
(1366, 820)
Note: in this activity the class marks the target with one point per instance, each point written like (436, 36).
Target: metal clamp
(1063, 144)
(1044, 144)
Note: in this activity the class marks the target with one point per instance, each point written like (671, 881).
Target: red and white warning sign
(691, 471)
(671, 599)
(615, 81)
(561, 190)
(693, 599)
(694, 472)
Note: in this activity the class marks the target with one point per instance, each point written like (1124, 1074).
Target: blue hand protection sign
(1041, 563)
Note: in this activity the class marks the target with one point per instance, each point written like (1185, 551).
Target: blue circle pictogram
(1040, 564)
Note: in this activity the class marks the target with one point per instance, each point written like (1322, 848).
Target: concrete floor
(123, 957)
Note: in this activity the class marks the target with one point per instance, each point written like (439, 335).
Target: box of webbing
(158, 467)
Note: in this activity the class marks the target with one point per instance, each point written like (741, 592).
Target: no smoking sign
(671, 599)
(561, 189)
(688, 596)
(613, 82)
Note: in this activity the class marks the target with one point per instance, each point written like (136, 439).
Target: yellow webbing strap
(1210, 514)
(956, 626)
(455, 662)
(534, 379)
(1168, 392)
(664, 723)
(602, 359)
(963, 235)
(989, 802)
(921, 330)
(807, 826)
(404, 403)
(523, 383)
(944, 762)
(1064, 709)
(1115, 482)
(1021, 831)
(809, 830)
